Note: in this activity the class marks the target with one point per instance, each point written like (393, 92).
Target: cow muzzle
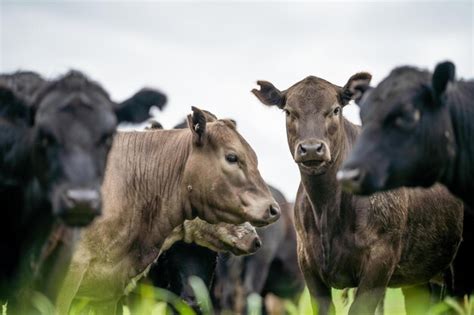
(79, 206)
(312, 153)
(263, 213)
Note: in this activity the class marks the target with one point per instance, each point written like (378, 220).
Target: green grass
(153, 301)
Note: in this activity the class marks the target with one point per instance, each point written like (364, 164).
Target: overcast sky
(210, 54)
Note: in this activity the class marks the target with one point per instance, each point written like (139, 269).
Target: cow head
(239, 239)
(71, 131)
(407, 137)
(314, 122)
(221, 175)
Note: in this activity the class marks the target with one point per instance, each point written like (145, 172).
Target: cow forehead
(401, 87)
(60, 100)
(311, 94)
(81, 114)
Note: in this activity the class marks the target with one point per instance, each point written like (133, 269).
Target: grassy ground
(152, 301)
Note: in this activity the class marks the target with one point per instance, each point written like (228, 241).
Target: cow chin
(314, 170)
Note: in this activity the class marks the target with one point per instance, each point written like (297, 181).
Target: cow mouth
(313, 163)
(314, 166)
(78, 217)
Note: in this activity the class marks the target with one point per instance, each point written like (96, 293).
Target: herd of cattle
(88, 212)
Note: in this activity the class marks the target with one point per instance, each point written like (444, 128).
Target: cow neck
(156, 160)
(326, 197)
(324, 191)
(458, 175)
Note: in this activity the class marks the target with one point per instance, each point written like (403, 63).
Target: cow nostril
(302, 149)
(257, 243)
(274, 210)
(320, 148)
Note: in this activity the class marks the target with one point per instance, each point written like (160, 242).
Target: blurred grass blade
(291, 308)
(202, 295)
(455, 306)
(42, 303)
(174, 300)
(254, 302)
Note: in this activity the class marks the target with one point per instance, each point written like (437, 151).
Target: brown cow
(155, 181)
(398, 239)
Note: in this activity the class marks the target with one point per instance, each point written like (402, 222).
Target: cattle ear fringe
(269, 94)
(355, 87)
(444, 73)
(197, 124)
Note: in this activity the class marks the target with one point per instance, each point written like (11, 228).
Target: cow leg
(321, 296)
(417, 299)
(375, 276)
(380, 310)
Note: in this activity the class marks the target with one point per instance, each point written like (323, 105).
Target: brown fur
(397, 239)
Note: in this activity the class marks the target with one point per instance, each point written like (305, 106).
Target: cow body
(385, 240)
(154, 181)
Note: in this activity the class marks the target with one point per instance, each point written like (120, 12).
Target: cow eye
(231, 158)
(405, 122)
(47, 139)
(336, 111)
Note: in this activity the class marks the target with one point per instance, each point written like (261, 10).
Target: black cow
(54, 140)
(417, 130)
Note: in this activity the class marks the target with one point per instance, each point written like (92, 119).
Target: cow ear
(269, 94)
(136, 109)
(14, 108)
(444, 72)
(355, 87)
(197, 124)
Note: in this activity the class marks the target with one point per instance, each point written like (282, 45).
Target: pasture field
(152, 302)
(394, 303)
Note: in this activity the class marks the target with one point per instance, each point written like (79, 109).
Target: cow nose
(315, 150)
(351, 179)
(89, 198)
(81, 206)
(257, 243)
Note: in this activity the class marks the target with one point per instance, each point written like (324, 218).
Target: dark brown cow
(400, 239)
(154, 181)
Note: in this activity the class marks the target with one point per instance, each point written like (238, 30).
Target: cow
(432, 109)
(273, 270)
(154, 181)
(416, 131)
(54, 139)
(391, 239)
